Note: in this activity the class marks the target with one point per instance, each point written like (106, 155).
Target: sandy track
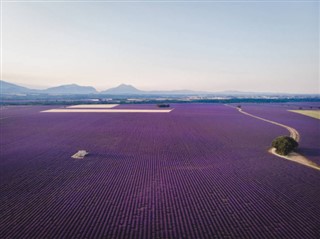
(293, 156)
(293, 132)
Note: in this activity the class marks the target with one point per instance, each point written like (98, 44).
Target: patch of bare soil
(297, 158)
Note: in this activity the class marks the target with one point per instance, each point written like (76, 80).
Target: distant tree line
(86, 99)
(163, 105)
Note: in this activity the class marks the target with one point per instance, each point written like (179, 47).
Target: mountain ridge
(71, 89)
(122, 89)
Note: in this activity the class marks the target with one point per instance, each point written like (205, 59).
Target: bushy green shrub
(163, 105)
(284, 144)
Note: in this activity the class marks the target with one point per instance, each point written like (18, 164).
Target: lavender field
(200, 171)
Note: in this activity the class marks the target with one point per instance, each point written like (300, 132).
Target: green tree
(284, 144)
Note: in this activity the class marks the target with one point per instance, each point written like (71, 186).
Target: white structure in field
(80, 154)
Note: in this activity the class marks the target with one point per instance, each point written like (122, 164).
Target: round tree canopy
(284, 144)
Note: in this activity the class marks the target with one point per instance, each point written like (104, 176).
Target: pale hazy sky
(247, 45)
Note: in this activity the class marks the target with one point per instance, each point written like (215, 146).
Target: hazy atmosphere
(212, 46)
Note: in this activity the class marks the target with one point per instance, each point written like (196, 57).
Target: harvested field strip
(93, 106)
(105, 111)
(311, 113)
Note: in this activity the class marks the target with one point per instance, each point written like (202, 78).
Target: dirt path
(293, 156)
(293, 132)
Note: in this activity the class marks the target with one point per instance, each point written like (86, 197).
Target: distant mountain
(70, 89)
(123, 89)
(9, 88)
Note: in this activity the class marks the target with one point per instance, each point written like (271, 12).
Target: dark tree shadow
(309, 151)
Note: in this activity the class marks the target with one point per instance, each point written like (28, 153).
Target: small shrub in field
(284, 144)
(163, 105)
